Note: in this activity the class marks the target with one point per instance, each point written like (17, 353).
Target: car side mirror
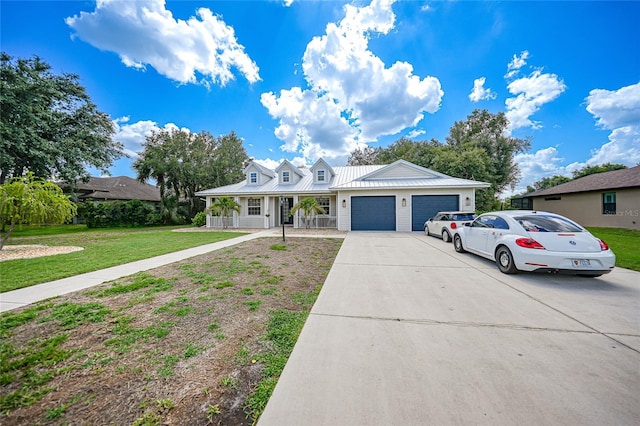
(467, 224)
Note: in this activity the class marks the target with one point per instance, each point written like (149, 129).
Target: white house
(393, 197)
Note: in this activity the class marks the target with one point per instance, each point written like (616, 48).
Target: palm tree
(309, 207)
(224, 207)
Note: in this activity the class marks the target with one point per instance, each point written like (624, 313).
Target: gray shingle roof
(115, 188)
(616, 179)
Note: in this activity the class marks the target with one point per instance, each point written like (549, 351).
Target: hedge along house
(394, 197)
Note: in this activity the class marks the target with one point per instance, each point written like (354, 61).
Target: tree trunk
(6, 236)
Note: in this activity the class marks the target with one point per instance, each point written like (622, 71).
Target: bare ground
(174, 351)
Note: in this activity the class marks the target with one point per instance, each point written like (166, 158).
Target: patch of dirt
(24, 251)
(123, 369)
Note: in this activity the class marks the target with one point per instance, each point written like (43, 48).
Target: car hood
(567, 241)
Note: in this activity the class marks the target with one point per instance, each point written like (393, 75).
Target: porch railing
(317, 222)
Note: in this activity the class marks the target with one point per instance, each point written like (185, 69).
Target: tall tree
(548, 182)
(48, 125)
(590, 170)
(420, 153)
(29, 200)
(363, 156)
(487, 131)
(183, 163)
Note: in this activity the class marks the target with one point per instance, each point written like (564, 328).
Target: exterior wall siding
(586, 208)
(403, 213)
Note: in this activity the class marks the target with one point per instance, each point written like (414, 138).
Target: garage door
(373, 213)
(425, 206)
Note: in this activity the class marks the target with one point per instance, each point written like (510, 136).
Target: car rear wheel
(457, 244)
(445, 236)
(504, 259)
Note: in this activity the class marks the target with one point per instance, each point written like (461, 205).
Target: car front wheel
(457, 244)
(504, 259)
(445, 236)
(426, 229)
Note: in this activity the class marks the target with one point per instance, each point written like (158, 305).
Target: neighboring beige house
(609, 199)
(394, 197)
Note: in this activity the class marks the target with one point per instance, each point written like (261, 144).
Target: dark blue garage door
(373, 213)
(425, 206)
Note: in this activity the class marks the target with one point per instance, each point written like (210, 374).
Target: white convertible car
(520, 240)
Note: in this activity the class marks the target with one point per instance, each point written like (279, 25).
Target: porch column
(267, 211)
(235, 215)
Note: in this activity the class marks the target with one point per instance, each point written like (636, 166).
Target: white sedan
(443, 224)
(520, 240)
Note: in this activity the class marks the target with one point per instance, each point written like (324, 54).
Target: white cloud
(618, 111)
(133, 135)
(617, 108)
(531, 93)
(415, 133)
(353, 97)
(479, 93)
(516, 63)
(623, 148)
(202, 49)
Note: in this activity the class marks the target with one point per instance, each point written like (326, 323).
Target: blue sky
(300, 80)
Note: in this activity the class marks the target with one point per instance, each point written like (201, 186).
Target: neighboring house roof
(615, 179)
(114, 188)
(399, 175)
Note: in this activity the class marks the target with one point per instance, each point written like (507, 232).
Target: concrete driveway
(408, 332)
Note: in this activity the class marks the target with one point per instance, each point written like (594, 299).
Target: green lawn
(624, 243)
(102, 248)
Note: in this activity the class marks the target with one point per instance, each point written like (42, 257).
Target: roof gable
(402, 169)
(288, 165)
(260, 169)
(322, 165)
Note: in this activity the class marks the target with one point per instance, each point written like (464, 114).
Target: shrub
(119, 213)
(200, 219)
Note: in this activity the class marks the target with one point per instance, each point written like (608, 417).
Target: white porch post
(296, 223)
(267, 211)
(206, 208)
(236, 215)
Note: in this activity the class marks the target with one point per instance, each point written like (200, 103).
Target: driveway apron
(408, 332)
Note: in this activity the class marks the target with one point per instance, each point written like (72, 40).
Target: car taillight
(453, 225)
(603, 245)
(529, 243)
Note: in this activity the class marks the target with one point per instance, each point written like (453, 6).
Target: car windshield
(541, 223)
(458, 217)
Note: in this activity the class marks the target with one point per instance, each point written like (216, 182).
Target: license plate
(581, 263)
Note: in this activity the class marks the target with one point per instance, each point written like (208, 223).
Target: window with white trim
(321, 175)
(253, 206)
(323, 203)
(609, 203)
(286, 177)
(253, 177)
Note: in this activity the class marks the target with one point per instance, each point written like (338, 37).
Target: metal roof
(349, 178)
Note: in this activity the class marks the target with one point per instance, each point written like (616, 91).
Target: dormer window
(320, 176)
(286, 177)
(253, 177)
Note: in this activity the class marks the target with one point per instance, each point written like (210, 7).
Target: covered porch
(268, 211)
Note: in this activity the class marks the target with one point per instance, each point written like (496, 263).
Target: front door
(286, 217)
